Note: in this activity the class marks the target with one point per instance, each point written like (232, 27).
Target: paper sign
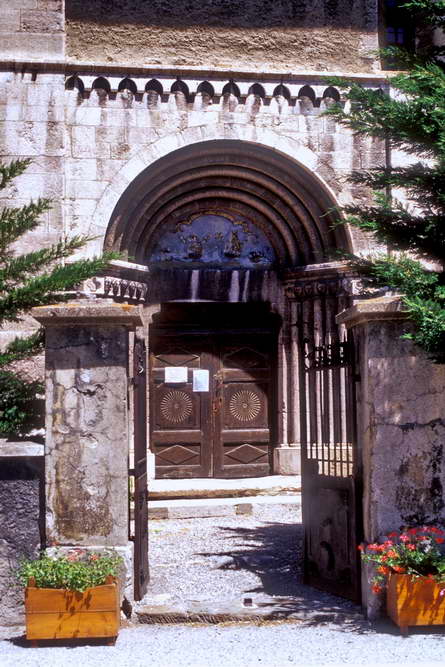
(200, 380)
(175, 374)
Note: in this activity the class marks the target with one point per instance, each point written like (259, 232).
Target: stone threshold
(273, 485)
(253, 609)
(201, 508)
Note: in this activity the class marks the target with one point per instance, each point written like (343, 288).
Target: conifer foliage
(36, 278)
(409, 116)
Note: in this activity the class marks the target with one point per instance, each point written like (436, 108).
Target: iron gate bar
(141, 571)
(330, 466)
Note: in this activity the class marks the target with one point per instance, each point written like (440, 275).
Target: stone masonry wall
(33, 29)
(21, 528)
(32, 125)
(291, 35)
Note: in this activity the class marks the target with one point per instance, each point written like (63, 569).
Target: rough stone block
(84, 189)
(81, 169)
(84, 144)
(83, 115)
(42, 21)
(9, 20)
(19, 4)
(22, 45)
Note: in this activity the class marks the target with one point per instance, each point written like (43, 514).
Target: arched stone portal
(226, 222)
(227, 253)
(280, 195)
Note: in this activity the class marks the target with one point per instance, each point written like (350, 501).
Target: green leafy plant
(16, 399)
(407, 115)
(39, 277)
(414, 551)
(75, 571)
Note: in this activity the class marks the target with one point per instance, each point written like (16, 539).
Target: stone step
(162, 489)
(206, 507)
(253, 608)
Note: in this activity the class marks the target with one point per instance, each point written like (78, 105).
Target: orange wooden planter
(54, 613)
(415, 601)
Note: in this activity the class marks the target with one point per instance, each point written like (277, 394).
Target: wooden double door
(225, 429)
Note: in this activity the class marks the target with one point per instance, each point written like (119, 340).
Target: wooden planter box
(415, 601)
(54, 613)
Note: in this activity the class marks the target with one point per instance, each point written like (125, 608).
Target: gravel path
(239, 646)
(192, 559)
(231, 558)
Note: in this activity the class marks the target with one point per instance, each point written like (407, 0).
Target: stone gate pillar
(401, 425)
(87, 429)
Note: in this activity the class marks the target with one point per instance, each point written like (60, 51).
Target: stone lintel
(76, 314)
(380, 309)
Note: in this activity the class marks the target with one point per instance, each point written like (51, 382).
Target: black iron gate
(331, 467)
(141, 573)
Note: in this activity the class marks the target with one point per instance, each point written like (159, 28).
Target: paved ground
(215, 563)
(219, 561)
(239, 646)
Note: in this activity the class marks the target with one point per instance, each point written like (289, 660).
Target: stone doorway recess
(224, 427)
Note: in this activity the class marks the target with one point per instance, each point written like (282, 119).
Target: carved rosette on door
(222, 432)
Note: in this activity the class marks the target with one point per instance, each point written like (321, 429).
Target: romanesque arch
(280, 195)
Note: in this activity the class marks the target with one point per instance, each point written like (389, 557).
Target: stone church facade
(190, 138)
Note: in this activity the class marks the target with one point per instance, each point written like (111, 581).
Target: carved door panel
(222, 432)
(180, 418)
(242, 407)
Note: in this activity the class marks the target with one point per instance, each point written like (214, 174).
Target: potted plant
(71, 596)
(411, 566)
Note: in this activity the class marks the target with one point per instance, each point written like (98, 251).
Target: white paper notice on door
(200, 380)
(175, 374)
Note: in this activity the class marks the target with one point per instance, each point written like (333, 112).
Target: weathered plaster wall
(32, 29)
(404, 432)
(261, 34)
(87, 437)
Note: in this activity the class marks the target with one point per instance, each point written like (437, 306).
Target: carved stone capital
(107, 286)
(300, 290)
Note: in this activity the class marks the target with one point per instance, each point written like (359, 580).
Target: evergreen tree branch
(16, 269)
(14, 222)
(48, 287)
(11, 170)
(23, 348)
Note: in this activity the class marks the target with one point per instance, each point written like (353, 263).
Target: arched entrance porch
(270, 226)
(229, 222)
